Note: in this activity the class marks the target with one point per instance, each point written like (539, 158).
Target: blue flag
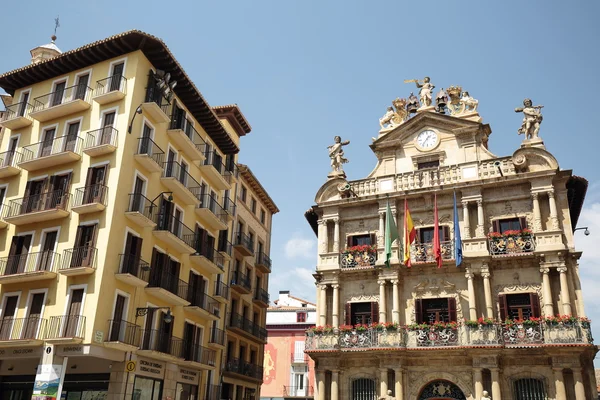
(457, 239)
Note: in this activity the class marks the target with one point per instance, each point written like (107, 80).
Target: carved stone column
(335, 313)
(471, 289)
(487, 289)
(478, 382)
(383, 386)
(382, 305)
(395, 301)
(322, 231)
(496, 393)
(553, 211)
(381, 228)
(579, 388)
(320, 385)
(323, 304)
(336, 235)
(576, 282)
(559, 384)
(335, 376)
(466, 221)
(480, 219)
(547, 291)
(565, 297)
(399, 372)
(537, 216)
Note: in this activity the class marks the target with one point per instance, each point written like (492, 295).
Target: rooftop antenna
(56, 26)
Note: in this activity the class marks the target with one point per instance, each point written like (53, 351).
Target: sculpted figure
(412, 104)
(485, 396)
(470, 104)
(426, 88)
(388, 397)
(388, 117)
(532, 118)
(336, 154)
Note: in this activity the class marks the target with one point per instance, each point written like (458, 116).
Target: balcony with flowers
(436, 334)
(511, 242)
(359, 257)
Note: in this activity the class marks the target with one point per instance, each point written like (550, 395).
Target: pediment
(534, 159)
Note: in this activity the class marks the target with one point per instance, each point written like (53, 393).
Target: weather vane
(56, 26)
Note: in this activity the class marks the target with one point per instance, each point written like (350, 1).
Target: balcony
(16, 116)
(261, 296)
(155, 105)
(511, 243)
(149, 155)
(101, 141)
(298, 391)
(204, 306)
(214, 170)
(51, 153)
(61, 103)
(299, 358)
(213, 392)
(28, 267)
(168, 288)
(245, 326)
(66, 329)
(90, 199)
(122, 335)
(79, 261)
(133, 271)
(358, 257)
(3, 211)
(178, 180)
(240, 282)
(195, 354)
(221, 291)
(212, 214)
(160, 345)
(209, 260)
(38, 208)
(15, 332)
(187, 138)
(422, 253)
(111, 89)
(240, 367)
(224, 247)
(9, 161)
(175, 234)
(230, 208)
(243, 244)
(141, 211)
(217, 337)
(263, 263)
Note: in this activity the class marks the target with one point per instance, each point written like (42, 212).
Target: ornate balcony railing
(31, 328)
(61, 144)
(298, 391)
(113, 83)
(149, 148)
(91, 194)
(29, 263)
(55, 200)
(433, 337)
(189, 131)
(523, 334)
(99, 137)
(423, 252)
(122, 331)
(131, 264)
(244, 368)
(61, 96)
(507, 244)
(358, 258)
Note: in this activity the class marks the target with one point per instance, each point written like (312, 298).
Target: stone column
(323, 304)
(478, 382)
(559, 383)
(487, 289)
(579, 388)
(480, 221)
(547, 291)
(381, 228)
(564, 290)
(471, 289)
(382, 305)
(395, 301)
(335, 376)
(496, 394)
(322, 230)
(399, 372)
(383, 386)
(553, 211)
(537, 216)
(318, 297)
(576, 282)
(466, 221)
(321, 385)
(336, 235)
(335, 313)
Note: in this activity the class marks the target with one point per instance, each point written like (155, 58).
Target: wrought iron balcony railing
(155, 95)
(140, 203)
(100, 137)
(298, 391)
(10, 158)
(358, 258)
(240, 279)
(56, 200)
(131, 264)
(91, 194)
(66, 326)
(205, 302)
(244, 368)
(169, 282)
(114, 83)
(224, 246)
(173, 169)
(61, 144)
(80, 257)
(190, 132)
(62, 96)
(211, 254)
(263, 259)
(213, 158)
(31, 328)
(217, 336)
(210, 203)
(165, 222)
(29, 263)
(200, 354)
(146, 146)
(123, 331)
(222, 290)
(163, 342)
(238, 321)
(16, 110)
(229, 206)
(261, 295)
(242, 239)
(511, 244)
(423, 252)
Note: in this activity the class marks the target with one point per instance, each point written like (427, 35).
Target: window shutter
(496, 225)
(503, 307)
(535, 305)
(419, 311)
(445, 236)
(373, 238)
(452, 309)
(138, 248)
(129, 243)
(523, 222)
(349, 241)
(374, 311)
(348, 314)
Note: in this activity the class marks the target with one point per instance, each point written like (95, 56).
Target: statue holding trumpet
(532, 119)
(425, 90)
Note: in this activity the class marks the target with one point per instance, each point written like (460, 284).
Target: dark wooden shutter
(419, 311)
(445, 234)
(373, 239)
(137, 248)
(452, 309)
(496, 225)
(523, 222)
(374, 311)
(348, 314)
(129, 245)
(503, 307)
(348, 241)
(88, 178)
(535, 305)
(119, 308)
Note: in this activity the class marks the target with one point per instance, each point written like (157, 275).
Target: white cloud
(298, 280)
(300, 247)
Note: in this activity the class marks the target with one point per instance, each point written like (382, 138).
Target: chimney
(45, 52)
(284, 297)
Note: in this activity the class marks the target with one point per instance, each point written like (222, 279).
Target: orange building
(288, 372)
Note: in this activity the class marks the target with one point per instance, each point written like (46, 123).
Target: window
(361, 240)
(425, 235)
(243, 193)
(362, 313)
(262, 216)
(253, 205)
(509, 224)
(519, 306)
(8, 315)
(428, 164)
(529, 389)
(301, 317)
(435, 310)
(147, 388)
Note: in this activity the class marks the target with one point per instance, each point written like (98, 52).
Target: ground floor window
(529, 389)
(86, 386)
(17, 387)
(184, 391)
(364, 389)
(147, 388)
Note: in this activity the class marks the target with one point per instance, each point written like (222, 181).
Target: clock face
(427, 139)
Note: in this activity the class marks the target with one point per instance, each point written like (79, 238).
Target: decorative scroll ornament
(439, 388)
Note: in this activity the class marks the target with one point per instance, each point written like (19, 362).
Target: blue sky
(303, 72)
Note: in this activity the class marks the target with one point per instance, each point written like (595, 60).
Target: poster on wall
(46, 382)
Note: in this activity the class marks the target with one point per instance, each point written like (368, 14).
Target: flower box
(359, 256)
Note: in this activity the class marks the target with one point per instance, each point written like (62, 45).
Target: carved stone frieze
(519, 288)
(417, 380)
(364, 298)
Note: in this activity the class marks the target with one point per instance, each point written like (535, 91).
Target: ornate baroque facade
(484, 328)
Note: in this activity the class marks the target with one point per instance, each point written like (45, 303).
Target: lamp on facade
(137, 111)
(586, 232)
(143, 311)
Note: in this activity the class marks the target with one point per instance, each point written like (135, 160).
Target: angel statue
(532, 118)
(425, 90)
(336, 154)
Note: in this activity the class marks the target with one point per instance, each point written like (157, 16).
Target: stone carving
(388, 397)
(425, 89)
(345, 190)
(532, 119)
(520, 287)
(388, 118)
(441, 99)
(433, 286)
(364, 297)
(394, 117)
(412, 104)
(419, 380)
(485, 395)
(460, 102)
(336, 154)
(469, 103)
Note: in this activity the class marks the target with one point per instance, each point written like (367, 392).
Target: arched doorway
(364, 389)
(441, 390)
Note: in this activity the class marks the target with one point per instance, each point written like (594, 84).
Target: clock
(427, 140)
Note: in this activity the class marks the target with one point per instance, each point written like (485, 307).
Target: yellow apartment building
(117, 184)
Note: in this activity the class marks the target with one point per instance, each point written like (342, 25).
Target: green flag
(391, 234)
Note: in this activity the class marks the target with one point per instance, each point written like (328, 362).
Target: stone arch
(526, 374)
(419, 381)
(441, 388)
(329, 191)
(532, 159)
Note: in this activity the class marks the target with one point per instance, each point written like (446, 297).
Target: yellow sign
(130, 367)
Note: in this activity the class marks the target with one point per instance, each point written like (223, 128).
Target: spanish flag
(409, 234)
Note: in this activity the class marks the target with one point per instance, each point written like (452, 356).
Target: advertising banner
(47, 381)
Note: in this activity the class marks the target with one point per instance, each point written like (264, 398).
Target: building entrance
(441, 390)
(364, 389)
